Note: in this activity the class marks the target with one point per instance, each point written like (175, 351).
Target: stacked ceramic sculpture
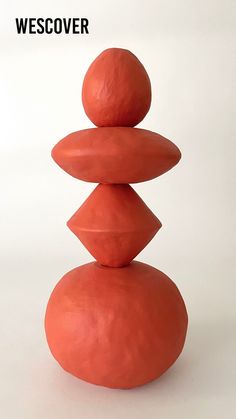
(115, 322)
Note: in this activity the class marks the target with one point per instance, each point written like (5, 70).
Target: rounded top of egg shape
(116, 89)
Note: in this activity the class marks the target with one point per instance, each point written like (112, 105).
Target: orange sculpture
(115, 322)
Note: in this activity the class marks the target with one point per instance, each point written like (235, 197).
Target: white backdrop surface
(188, 49)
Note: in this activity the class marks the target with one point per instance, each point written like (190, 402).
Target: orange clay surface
(115, 155)
(116, 89)
(114, 224)
(116, 327)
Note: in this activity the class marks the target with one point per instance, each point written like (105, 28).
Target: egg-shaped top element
(116, 89)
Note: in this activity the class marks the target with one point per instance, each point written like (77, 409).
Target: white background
(188, 48)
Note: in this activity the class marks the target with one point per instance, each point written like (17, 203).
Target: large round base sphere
(116, 327)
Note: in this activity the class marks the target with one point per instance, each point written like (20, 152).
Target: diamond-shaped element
(114, 224)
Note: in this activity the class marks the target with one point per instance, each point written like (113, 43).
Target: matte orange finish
(115, 155)
(115, 322)
(114, 224)
(116, 89)
(116, 327)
